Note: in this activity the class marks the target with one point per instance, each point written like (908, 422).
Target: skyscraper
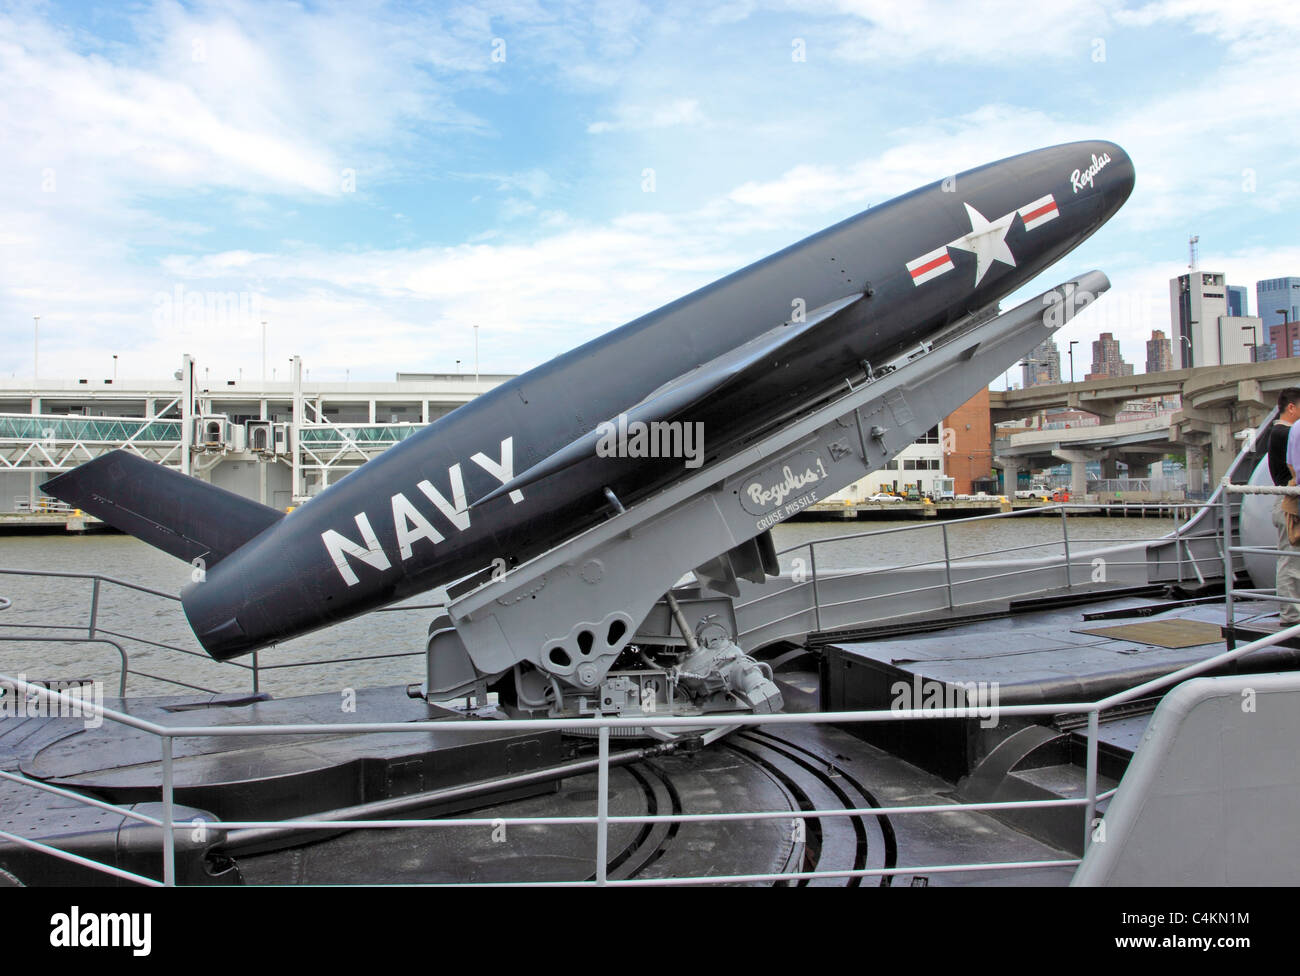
(1160, 356)
(1204, 334)
(1237, 300)
(1196, 301)
(1106, 358)
(1043, 365)
(1274, 294)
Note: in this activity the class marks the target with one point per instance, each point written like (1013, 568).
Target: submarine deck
(1036, 656)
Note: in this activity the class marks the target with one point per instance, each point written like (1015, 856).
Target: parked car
(883, 498)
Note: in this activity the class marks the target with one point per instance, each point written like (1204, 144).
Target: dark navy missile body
(527, 465)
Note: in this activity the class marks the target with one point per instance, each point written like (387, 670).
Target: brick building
(968, 443)
(1160, 353)
(1106, 358)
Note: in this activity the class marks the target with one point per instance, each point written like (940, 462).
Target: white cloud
(990, 31)
(1249, 28)
(918, 154)
(219, 97)
(681, 111)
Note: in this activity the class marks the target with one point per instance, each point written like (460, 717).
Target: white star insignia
(986, 240)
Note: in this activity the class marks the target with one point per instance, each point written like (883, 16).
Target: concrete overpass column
(1156, 472)
(1195, 468)
(1010, 478)
(1109, 467)
(1078, 461)
(1078, 479)
(1223, 450)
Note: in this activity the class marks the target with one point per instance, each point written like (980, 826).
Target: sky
(374, 180)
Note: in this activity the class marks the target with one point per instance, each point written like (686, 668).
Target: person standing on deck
(1283, 461)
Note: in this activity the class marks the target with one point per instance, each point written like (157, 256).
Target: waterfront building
(1277, 300)
(279, 443)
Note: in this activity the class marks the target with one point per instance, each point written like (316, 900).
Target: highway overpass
(1217, 403)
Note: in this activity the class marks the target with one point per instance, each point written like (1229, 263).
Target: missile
(538, 459)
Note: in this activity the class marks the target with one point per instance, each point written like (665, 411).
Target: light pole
(1073, 343)
(1187, 360)
(115, 369)
(475, 353)
(263, 353)
(1254, 341)
(36, 348)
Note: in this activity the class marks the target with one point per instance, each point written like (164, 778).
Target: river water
(154, 620)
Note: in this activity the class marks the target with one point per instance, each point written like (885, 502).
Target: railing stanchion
(1225, 515)
(1178, 544)
(1090, 812)
(947, 562)
(602, 806)
(94, 608)
(168, 815)
(812, 568)
(1065, 540)
(256, 675)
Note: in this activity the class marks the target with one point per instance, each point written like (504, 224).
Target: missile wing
(675, 397)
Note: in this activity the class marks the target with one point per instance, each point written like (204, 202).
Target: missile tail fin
(180, 515)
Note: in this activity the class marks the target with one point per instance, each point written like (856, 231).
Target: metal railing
(602, 819)
(602, 727)
(93, 632)
(44, 505)
(814, 579)
(1232, 593)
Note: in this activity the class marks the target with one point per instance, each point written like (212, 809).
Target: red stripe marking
(1045, 208)
(942, 259)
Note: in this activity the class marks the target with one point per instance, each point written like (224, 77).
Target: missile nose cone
(1116, 178)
